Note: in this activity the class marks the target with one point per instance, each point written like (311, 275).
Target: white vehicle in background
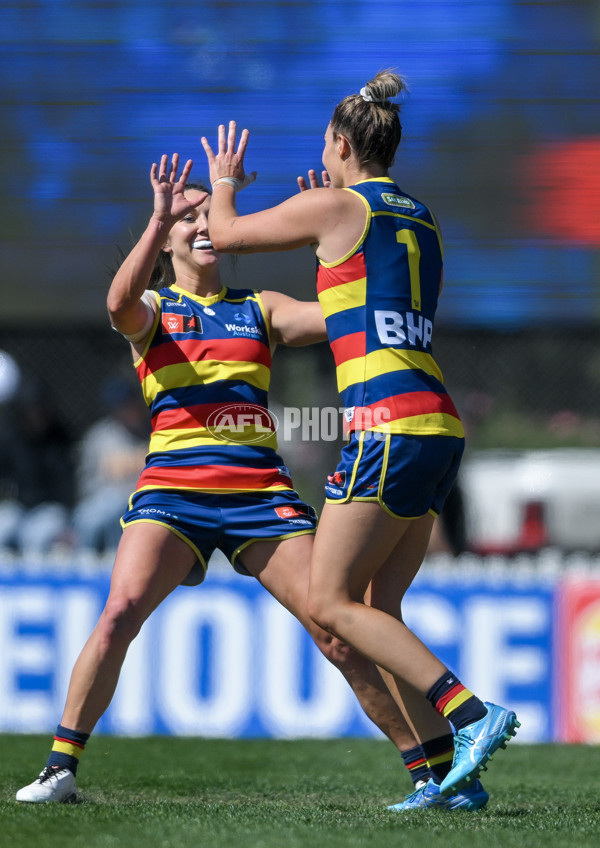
(519, 501)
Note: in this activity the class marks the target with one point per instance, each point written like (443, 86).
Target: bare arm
(294, 322)
(128, 313)
(319, 216)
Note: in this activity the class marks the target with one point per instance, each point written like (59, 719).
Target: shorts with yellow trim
(227, 522)
(407, 475)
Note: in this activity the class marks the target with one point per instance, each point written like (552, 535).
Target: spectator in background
(36, 468)
(110, 459)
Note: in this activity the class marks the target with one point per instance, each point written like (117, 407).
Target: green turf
(175, 793)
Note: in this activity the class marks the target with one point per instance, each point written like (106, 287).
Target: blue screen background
(501, 137)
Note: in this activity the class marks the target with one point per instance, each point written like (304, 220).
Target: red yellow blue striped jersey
(205, 374)
(379, 303)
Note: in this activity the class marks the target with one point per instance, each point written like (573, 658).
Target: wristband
(235, 184)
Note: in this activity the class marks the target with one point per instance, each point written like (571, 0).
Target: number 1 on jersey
(408, 238)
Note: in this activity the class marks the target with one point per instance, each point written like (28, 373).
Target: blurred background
(501, 139)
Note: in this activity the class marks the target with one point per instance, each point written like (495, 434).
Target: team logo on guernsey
(287, 512)
(336, 483)
(174, 323)
(241, 423)
(398, 200)
(338, 478)
(208, 310)
(294, 515)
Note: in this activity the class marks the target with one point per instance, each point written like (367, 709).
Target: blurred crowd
(59, 491)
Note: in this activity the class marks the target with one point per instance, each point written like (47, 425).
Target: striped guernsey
(379, 303)
(205, 375)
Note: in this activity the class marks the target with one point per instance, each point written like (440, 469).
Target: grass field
(175, 793)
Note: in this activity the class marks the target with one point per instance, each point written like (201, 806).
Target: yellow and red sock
(456, 703)
(416, 763)
(67, 748)
(439, 753)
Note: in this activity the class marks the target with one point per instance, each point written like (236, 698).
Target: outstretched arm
(300, 220)
(128, 313)
(294, 322)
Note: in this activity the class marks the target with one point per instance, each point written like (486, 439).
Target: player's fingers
(326, 180)
(243, 143)
(201, 199)
(231, 137)
(207, 148)
(162, 169)
(221, 139)
(174, 167)
(302, 184)
(186, 171)
(312, 178)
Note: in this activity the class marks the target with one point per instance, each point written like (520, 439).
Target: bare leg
(151, 561)
(283, 569)
(425, 723)
(354, 542)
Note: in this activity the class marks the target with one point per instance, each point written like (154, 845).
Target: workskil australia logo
(243, 327)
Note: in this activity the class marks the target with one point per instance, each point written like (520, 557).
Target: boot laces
(48, 773)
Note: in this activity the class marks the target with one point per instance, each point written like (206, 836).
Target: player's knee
(120, 621)
(322, 614)
(341, 655)
(317, 611)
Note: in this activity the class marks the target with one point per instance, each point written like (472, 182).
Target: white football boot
(52, 785)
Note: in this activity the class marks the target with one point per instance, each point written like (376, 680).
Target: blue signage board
(226, 660)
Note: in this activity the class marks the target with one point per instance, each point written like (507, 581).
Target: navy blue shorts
(407, 475)
(228, 522)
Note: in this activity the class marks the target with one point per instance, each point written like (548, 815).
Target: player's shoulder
(232, 294)
(274, 298)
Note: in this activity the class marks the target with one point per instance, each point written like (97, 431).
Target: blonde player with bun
(379, 277)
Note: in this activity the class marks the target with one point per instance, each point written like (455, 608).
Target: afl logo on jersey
(243, 423)
(174, 323)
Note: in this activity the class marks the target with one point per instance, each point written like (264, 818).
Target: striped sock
(439, 753)
(67, 748)
(450, 698)
(416, 763)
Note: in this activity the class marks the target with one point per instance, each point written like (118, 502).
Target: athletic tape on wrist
(235, 184)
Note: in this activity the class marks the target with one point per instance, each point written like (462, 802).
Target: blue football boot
(475, 744)
(428, 796)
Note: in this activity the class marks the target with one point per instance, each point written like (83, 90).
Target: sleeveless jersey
(205, 375)
(379, 303)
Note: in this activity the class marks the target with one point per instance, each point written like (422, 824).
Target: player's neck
(355, 174)
(205, 284)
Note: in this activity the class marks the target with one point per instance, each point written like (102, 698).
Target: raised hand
(313, 181)
(170, 202)
(228, 163)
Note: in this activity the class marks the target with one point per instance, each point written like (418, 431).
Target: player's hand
(228, 162)
(170, 202)
(313, 182)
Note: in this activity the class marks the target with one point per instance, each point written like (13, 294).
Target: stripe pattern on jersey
(379, 303)
(205, 376)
